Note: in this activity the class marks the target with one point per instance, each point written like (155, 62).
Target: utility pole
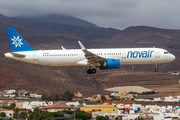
(18, 114)
(74, 113)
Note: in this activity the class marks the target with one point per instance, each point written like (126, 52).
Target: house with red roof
(119, 102)
(57, 107)
(9, 112)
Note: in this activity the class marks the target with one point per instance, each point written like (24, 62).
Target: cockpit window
(166, 52)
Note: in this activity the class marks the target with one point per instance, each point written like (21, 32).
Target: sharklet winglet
(81, 45)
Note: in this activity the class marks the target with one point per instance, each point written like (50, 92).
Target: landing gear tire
(156, 70)
(93, 71)
(89, 71)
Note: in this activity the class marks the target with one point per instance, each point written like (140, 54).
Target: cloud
(104, 13)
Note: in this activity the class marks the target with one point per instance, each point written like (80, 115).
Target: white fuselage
(76, 57)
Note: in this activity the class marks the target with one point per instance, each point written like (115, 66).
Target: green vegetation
(3, 114)
(147, 93)
(133, 92)
(15, 115)
(37, 114)
(23, 115)
(5, 107)
(83, 116)
(114, 98)
(27, 94)
(12, 106)
(107, 117)
(68, 96)
(103, 98)
(139, 118)
(116, 118)
(67, 111)
(101, 118)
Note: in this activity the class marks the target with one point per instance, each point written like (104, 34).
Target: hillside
(43, 79)
(85, 32)
(62, 19)
(20, 75)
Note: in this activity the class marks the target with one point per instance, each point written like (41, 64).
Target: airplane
(103, 59)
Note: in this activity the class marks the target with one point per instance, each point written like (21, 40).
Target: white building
(10, 91)
(75, 104)
(11, 95)
(142, 100)
(157, 99)
(31, 105)
(111, 116)
(171, 99)
(35, 95)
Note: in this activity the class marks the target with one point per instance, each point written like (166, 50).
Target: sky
(118, 14)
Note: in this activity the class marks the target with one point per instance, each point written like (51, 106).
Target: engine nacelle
(110, 64)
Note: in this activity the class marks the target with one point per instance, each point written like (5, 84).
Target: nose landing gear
(156, 69)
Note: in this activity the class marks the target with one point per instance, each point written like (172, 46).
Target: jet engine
(110, 64)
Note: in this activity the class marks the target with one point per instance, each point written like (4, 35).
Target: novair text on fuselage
(139, 54)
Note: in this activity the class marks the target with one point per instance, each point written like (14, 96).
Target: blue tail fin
(18, 44)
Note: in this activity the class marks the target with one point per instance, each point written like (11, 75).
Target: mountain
(147, 35)
(62, 19)
(51, 35)
(90, 32)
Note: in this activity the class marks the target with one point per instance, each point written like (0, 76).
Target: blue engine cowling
(110, 64)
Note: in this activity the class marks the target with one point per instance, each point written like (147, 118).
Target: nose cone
(172, 58)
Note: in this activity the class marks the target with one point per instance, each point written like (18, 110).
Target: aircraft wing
(92, 58)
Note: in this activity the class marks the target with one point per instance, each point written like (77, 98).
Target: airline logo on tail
(18, 44)
(16, 41)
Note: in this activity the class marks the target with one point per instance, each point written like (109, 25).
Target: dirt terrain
(44, 79)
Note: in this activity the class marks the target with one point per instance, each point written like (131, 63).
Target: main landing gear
(91, 71)
(156, 69)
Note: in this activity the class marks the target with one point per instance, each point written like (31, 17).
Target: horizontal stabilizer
(17, 55)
